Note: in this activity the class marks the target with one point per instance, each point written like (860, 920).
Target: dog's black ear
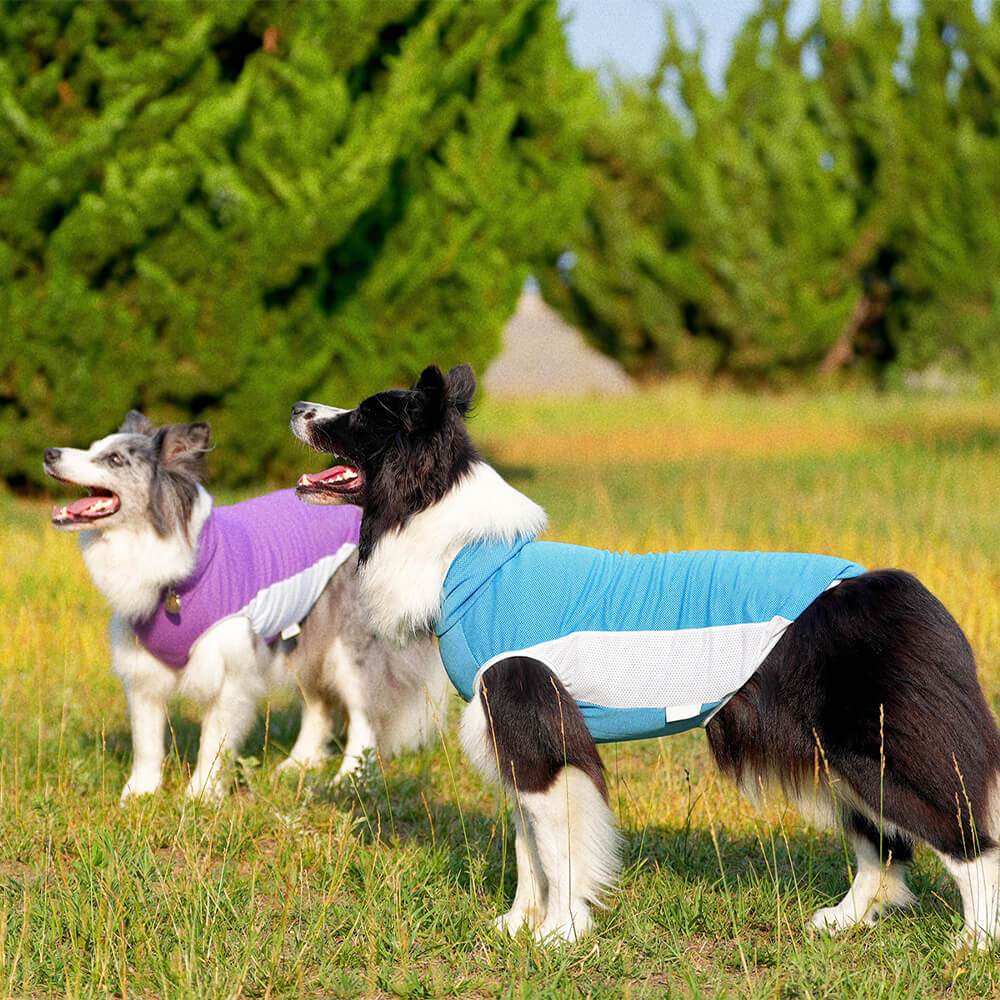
(461, 384)
(438, 392)
(183, 443)
(137, 423)
(425, 407)
(431, 380)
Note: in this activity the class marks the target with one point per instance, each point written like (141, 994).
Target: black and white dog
(223, 604)
(796, 665)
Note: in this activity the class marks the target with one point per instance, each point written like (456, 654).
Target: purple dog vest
(268, 558)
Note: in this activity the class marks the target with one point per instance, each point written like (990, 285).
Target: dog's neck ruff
(646, 645)
(402, 580)
(267, 559)
(131, 564)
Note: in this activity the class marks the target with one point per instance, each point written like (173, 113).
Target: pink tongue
(310, 479)
(82, 505)
(92, 506)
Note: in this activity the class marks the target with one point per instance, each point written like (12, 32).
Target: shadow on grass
(475, 843)
(273, 733)
(480, 844)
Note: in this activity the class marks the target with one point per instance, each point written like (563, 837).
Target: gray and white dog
(224, 604)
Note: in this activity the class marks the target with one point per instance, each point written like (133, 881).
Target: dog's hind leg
(880, 880)
(523, 727)
(877, 677)
(354, 694)
(978, 881)
(224, 726)
(310, 749)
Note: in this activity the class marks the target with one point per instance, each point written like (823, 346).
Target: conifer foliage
(214, 209)
(837, 204)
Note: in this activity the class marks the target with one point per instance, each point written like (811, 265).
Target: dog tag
(172, 602)
(291, 632)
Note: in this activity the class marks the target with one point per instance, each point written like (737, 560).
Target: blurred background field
(293, 889)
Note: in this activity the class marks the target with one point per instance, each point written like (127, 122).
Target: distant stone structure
(543, 355)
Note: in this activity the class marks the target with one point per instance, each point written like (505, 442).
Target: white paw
(832, 919)
(563, 931)
(972, 937)
(359, 766)
(135, 787)
(295, 763)
(516, 917)
(289, 764)
(208, 789)
(348, 769)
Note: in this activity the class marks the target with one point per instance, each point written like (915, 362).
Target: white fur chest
(132, 564)
(402, 581)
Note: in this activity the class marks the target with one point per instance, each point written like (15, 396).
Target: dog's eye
(115, 459)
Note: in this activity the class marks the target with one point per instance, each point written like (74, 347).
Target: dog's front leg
(148, 715)
(148, 684)
(523, 727)
(224, 726)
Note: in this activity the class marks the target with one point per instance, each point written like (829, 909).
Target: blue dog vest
(647, 645)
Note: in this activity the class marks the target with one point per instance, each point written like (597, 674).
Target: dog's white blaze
(403, 579)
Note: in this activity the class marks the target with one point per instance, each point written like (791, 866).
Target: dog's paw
(833, 919)
(136, 787)
(516, 918)
(358, 769)
(564, 931)
(294, 765)
(290, 764)
(509, 922)
(972, 937)
(211, 789)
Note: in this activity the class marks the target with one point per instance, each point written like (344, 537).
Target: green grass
(293, 889)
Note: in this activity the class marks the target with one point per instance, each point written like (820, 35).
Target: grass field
(294, 889)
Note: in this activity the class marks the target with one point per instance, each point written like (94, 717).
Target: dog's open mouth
(97, 504)
(338, 484)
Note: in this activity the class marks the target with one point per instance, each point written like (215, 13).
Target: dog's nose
(52, 454)
(303, 411)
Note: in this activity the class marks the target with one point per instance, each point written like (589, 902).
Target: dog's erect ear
(456, 390)
(183, 442)
(461, 385)
(431, 380)
(181, 449)
(137, 423)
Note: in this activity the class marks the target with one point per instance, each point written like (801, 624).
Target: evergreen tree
(836, 204)
(948, 239)
(211, 210)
